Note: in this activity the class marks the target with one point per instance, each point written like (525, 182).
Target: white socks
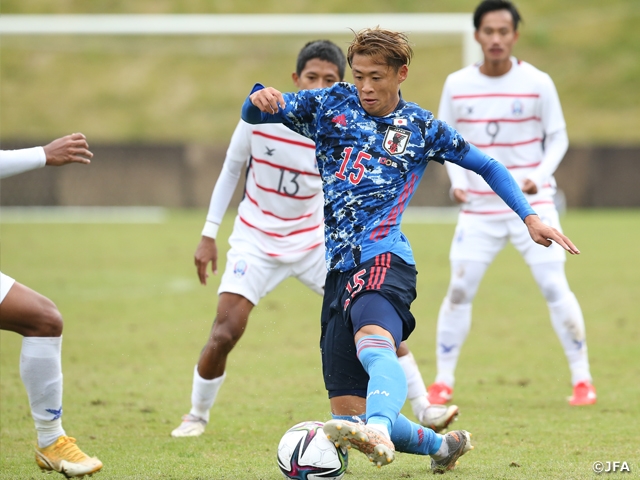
(41, 373)
(567, 321)
(416, 390)
(566, 317)
(454, 323)
(443, 451)
(203, 394)
(380, 428)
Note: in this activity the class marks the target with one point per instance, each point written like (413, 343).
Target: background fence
(184, 175)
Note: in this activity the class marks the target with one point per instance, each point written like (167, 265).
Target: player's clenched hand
(543, 234)
(459, 195)
(206, 252)
(529, 187)
(268, 100)
(68, 149)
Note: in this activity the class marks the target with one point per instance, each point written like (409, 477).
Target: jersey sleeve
(302, 109)
(298, 113)
(457, 174)
(237, 156)
(553, 124)
(444, 143)
(13, 162)
(555, 146)
(551, 114)
(499, 179)
(445, 109)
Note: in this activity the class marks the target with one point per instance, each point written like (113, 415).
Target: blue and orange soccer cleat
(459, 443)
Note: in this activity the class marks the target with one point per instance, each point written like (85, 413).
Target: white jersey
(508, 118)
(13, 162)
(282, 208)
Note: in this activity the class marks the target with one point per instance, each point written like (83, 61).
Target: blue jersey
(370, 166)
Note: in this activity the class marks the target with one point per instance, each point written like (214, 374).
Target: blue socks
(386, 394)
(410, 437)
(387, 388)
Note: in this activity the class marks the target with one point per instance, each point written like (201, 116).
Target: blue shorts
(387, 275)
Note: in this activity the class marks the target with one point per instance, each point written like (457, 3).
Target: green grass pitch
(136, 319)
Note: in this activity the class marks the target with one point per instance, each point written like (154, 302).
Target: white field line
(82, 215)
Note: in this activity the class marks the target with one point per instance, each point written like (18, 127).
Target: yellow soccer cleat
(65, 457)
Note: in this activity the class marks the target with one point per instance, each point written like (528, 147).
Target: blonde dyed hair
(390, 48)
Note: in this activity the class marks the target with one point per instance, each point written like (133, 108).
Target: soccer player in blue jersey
(372, 149)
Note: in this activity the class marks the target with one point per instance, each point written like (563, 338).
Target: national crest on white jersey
(396, 140)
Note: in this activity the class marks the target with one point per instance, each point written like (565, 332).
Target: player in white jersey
(510, 110)
(37, 319)
(278, 233)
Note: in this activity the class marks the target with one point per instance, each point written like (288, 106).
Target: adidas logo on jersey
(340, 119)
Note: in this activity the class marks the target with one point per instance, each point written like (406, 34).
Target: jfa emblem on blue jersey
(395, 140)
(240, 268)
(517, 107)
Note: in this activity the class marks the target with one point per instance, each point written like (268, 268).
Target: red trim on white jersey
(491, 192)
(280, 167)
(531, 165)
(498, 120)
(279, 235)
(271, 190)
(514, 144)
(499, 212)
(285, 140)
(271, 214)
(485, 95)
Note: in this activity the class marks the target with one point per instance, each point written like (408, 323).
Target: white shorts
(252, 274)
(6, 282)
(479, 238)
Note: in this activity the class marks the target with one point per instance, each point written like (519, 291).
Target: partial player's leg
(37, 319)
(568, 323)
(249, 275)
(312, 272)
(436, 417)
(348, 428)
(454, 323)
(475, 244)
(547, 267)
(231, 320)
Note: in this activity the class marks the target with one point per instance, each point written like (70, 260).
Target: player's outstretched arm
(207, 252)
(268, 100)
(262, 105)
(68, 149)
(543, 234)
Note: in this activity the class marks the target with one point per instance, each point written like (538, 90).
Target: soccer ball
(305, 453)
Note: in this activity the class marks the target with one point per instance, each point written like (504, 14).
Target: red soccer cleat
(439, 393)
(583, 394)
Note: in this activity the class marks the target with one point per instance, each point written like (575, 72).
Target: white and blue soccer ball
(305, 453)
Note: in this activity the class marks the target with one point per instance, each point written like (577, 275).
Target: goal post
(459, 24)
